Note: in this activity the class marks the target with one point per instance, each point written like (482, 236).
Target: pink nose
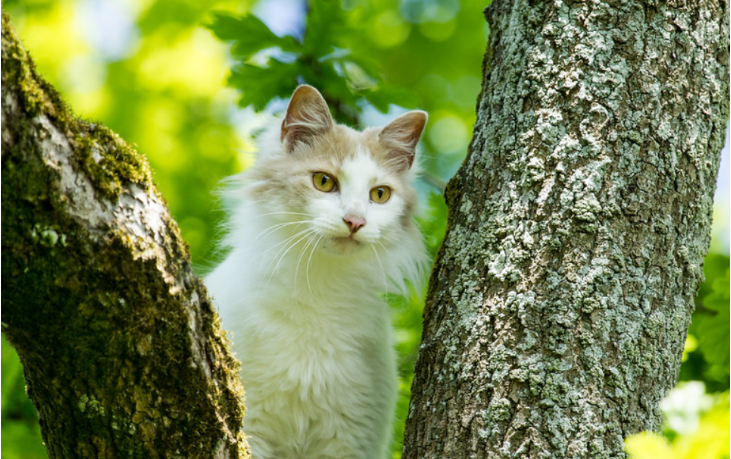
(354, 223)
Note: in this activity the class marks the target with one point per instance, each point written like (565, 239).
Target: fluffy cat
(321, 225)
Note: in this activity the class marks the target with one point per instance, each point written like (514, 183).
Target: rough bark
(121, 347)
(560, 301)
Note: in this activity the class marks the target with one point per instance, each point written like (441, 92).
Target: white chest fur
(317, 359)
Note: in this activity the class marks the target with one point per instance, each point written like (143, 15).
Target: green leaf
(710, 327)
(713, 338)
(249, 35)
(15, 403)
(260, 85)
(718, 298)
(365, 80)
(713, 342)
(714, 267)
(434, 223)
(23, 440)
(326, 27)
(383, 96)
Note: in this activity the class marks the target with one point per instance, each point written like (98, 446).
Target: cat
(320, 226)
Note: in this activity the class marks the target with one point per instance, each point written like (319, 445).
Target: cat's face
(336, 189)
(341, 191)
(366, 204)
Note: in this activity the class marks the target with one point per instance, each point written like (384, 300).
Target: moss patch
(103, 328)
(107, 159)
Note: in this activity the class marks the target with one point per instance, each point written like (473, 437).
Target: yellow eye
(323, 182)
(380, 194)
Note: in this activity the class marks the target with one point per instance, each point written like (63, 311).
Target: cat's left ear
(307, 116)
(400, 137)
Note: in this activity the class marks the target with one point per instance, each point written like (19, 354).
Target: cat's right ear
(307, 116)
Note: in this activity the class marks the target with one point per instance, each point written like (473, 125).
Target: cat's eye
(380, 194)
(323, 182)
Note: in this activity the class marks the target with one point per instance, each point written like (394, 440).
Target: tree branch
(121, 347)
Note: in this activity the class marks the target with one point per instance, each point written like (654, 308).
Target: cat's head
(340, 189)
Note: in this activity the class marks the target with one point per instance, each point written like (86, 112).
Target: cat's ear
(307, 116)
(400, 137)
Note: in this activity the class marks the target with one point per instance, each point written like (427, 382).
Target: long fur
(304, 307)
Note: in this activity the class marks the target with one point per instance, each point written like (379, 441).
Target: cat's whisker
(287, 240)
(388, 239)
(273, 228)
(383, 271)
(286, 246)
(310, 238)
(332, 227)
(278, 259)
(291, 246)
(294, 239)
(270, 229)
(308, 263)
(280, 213)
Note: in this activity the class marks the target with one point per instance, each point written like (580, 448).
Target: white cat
(323, 223)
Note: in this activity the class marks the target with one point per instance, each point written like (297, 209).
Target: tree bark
(121, 347)
(561, 298)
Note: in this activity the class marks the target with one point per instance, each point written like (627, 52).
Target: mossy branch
(121, 347)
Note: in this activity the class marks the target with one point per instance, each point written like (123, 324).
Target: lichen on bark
(121, 347)
(560, 301)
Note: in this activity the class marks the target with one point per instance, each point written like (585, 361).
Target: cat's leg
(383, 399)
(363, 436)
(362, 427)
(379, 445)
(275, 436)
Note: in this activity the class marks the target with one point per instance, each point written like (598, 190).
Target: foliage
(709, 361)
(323, 58)
(709, 441)
(160, 87)
(19, 419)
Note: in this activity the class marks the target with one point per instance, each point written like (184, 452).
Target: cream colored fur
(302, 299)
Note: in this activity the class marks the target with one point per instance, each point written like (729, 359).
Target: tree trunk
(120, 345)
(561, 298)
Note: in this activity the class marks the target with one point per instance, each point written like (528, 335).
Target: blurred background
(189, 82)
